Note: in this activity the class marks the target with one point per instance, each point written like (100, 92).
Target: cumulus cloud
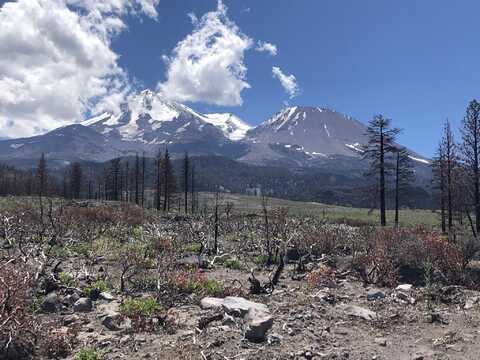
(289, 82)
(267, 47)
(208, 65)
(57, 61)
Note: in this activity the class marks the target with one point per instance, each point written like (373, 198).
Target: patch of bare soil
(343, 320)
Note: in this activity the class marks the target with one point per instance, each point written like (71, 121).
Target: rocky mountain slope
(296, 136)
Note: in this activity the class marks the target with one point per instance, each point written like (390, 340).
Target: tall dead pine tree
(158, 182)
(381, 138)
(404, 174)
(451, 162)
(471, 152)
(438, 171)
(186, 180)
(137, 179)
(169, 181)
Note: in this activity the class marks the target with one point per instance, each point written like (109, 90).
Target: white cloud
(267, 47)
(289, 82)
(208, 65)
(57, 61)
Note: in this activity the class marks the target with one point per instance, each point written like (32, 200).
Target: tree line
(144, 181)
(455, 170)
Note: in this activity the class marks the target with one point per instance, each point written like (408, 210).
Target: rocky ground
(335, 318)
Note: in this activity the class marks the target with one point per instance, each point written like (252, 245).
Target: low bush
(88, 354)
(146, 314)
(233, 264)
(194, 282)
(95, 288)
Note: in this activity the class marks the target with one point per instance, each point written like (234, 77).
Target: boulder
(211, 303)
(239, 306)
(258, 322)
(51, 303)
(83, 305)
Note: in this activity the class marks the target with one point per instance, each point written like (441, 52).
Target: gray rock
(406, 288)
(239, 306)
(357, 311)
(51, 303)
(375, 294)
(211, 303)
(83, 305)
(228, 320)
(106, 296)
(471, 302)
(258, 323)
(70, 319)
(112, 321)
(381, 341)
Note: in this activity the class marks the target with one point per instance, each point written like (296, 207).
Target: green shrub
(146, 314)
(194, 248)
(195, 283)
(98, 286)
(262, 259)
(66, 279)
(87, 354)
(232, 264)
(140, 307)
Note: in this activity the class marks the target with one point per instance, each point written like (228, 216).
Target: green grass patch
(233, 264)
(145, 307)
(88, 354)
(194, 248)
(66, 279)
(98, 286)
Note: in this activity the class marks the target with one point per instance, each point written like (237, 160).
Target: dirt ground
(309, 323)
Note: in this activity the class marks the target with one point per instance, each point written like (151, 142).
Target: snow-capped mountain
(147, 122)
(317, 131)
(232, 126)
(296, 136)
(308, 135)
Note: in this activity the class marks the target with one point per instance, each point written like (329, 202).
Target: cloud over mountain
(208, 64)
(57, 60)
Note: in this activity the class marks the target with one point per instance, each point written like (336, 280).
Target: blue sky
(414, 61)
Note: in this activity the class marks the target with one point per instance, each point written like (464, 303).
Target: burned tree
(471, 152)
(381, 138)
(404, 175)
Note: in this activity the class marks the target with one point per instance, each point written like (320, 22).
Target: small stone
(258, 323)
(83, 305)
(381, 341)
(471, 302)
(106, 296)
(360, 312)
(407, 288)
(228, 320)
(70, 319)
(274, 339)
(112, 321)
(211, 303)
(375, 294)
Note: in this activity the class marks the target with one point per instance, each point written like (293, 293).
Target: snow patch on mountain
(356, 147)
(423, 161)
(232, 126)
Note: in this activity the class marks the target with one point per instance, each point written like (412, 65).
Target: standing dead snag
(380, 143)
